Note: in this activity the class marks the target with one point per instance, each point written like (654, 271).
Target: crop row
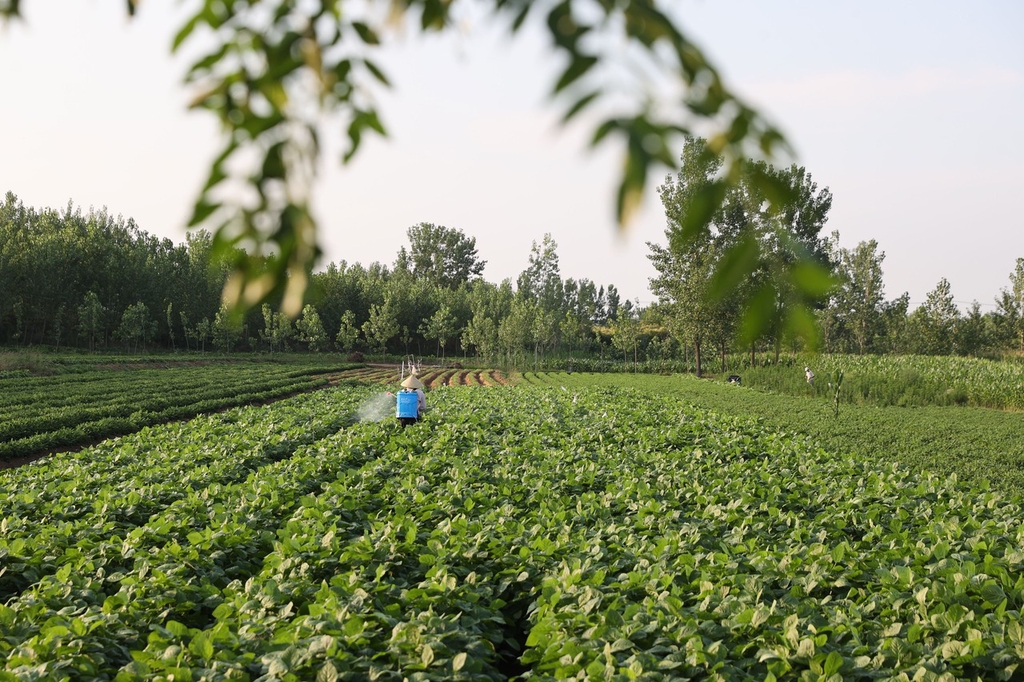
(431, 377)
(980, 445)
(555, 533)
(123, 402)
(55, 509)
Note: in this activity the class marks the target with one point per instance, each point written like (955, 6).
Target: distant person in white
(810, 375)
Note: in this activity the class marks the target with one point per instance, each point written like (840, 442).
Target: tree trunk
(696, 356)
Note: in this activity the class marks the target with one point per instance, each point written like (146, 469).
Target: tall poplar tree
(862, 292)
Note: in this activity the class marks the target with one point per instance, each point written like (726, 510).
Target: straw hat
(412, 382)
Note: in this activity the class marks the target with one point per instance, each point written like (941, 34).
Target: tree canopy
(271, 70)
(765, 257)
(443, 255)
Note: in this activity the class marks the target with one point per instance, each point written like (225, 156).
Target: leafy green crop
(979, 445)
(556, 533)
(41, 413)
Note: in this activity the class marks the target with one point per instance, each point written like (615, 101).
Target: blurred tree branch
(275, 68)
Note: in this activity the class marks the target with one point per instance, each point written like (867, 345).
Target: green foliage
(226, 330)
(625, 335)
(136, 329)
(24, 364)
(835, 387)
(978, 445)
(537, 532)
(50, 409)
(444, 256)
(1011, 305)
(902, 381)
(749, 259)
(270, 71)
(934, 323)
(858, 302)
(311, 329)
(277, 329)
(348, 333)
(441, 327)
(541, 281)
(70, 276)
(382, 326)
(90, 318)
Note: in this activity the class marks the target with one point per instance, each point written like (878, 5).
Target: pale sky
(912, 114)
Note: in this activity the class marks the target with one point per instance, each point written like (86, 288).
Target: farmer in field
(810, 375)
(411, 401)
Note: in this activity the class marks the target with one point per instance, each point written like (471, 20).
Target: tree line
(70, 278)
(850, 312)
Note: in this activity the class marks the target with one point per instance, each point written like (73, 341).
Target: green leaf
(992, 594)
(273, 163)
(580, 104)
(740, 126)
(205, 63)
(707, 200)
(366, 34)
(812, 279)
(524, 11)
(760, 312)
(769, 140)
(632, 185)
(459, 661)
(833, 664)
(203, 210)
(276, 665)
(201, 646)
(621, 644)
(327, 673)
(577, 68)
(603, 130)
(185, 31)
(736, 265)
(774, 186)
(800, 323)
(377, 72)
(354, 626)
(177, 629)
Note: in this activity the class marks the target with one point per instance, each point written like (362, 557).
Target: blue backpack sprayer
(408, 405)
(407, 408)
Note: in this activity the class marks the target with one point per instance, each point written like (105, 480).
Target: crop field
(85, 403)
(517, 532)
(432, 377)
(899, 380)
(983, 446)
